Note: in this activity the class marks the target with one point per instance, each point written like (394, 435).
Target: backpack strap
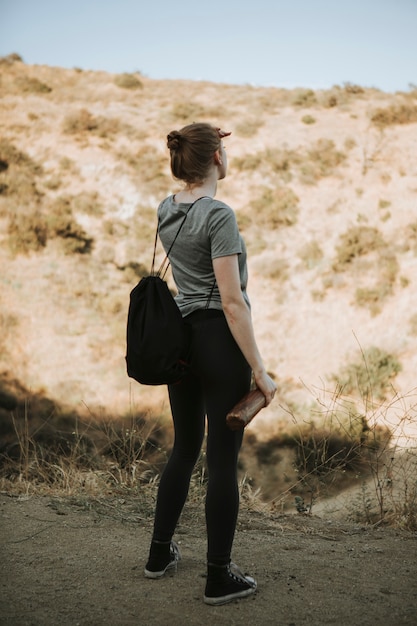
(163, 268)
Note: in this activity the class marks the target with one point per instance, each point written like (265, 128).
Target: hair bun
(174, 140)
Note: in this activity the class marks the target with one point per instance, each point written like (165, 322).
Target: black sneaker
(160, 564)
(226, 583)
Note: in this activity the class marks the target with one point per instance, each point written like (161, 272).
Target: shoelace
(237, 574)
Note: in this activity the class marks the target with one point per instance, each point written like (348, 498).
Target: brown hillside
(324, 187)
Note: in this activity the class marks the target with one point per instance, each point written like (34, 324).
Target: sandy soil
(72, 561)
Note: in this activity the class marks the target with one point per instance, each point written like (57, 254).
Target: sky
(280, 43)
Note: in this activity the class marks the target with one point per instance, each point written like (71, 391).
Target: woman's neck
(190, 194)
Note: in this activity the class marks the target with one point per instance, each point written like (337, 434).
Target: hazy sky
(288, 43)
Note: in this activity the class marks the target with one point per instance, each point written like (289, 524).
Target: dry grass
(395, 114)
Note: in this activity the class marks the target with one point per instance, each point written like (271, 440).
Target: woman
(208, 264)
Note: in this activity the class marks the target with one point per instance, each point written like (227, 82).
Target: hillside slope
(324, 186)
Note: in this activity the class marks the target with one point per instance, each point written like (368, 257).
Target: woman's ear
(218, 158)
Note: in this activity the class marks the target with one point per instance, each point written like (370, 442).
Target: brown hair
(192, 149)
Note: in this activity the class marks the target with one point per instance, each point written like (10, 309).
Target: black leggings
(219, 377)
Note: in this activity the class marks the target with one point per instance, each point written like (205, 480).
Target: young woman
(208, 264)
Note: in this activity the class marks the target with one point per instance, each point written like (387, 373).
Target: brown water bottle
(245, 410)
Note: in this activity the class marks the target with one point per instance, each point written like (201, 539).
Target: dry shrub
(409, 238)
(275, 207)
(395, 114)
(45, 446)
(320, 161)
(27, 84)
(10, 155)
(356, 241)
(277, 269)
(308, 119)
(62, 224)
(370, 376)
(88, 203)
(277, 162)
(128, 81)
(150, 166)
(353, 89)
(188, 111)
(11, 58)
(249, 127)
(82, 121)
(304, 98)
(28, 231)
(310, 254)
(31, 227)
(372, 297)
(355, 244)
(18, 184)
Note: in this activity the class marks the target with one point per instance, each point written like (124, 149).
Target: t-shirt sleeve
(224, 233)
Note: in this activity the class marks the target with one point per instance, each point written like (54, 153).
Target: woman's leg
(225, 376)
(189, 424)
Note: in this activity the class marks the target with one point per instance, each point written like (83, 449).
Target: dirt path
(66, 561)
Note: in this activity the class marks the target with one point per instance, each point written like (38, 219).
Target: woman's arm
(238, 316)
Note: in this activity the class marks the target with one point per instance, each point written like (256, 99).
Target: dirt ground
(72, 561)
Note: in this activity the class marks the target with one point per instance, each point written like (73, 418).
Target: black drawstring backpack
(157, 338)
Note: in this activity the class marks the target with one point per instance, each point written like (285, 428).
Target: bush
(371, 375)
(11, 58)
(355, 242)
(308, 119)
(275, 207)
(249, 127)
(62, 224)
(128, 81)
(321, 159)
(18, 174)
(32, 85)
(83, 121)
(304, 98)
(28, 231)
(310, 254)
(395, 114)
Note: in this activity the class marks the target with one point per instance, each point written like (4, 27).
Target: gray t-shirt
(210, 231)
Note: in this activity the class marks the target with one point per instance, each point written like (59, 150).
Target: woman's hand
(265, 384)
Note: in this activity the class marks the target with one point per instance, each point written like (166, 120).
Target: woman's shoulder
(214, 205)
